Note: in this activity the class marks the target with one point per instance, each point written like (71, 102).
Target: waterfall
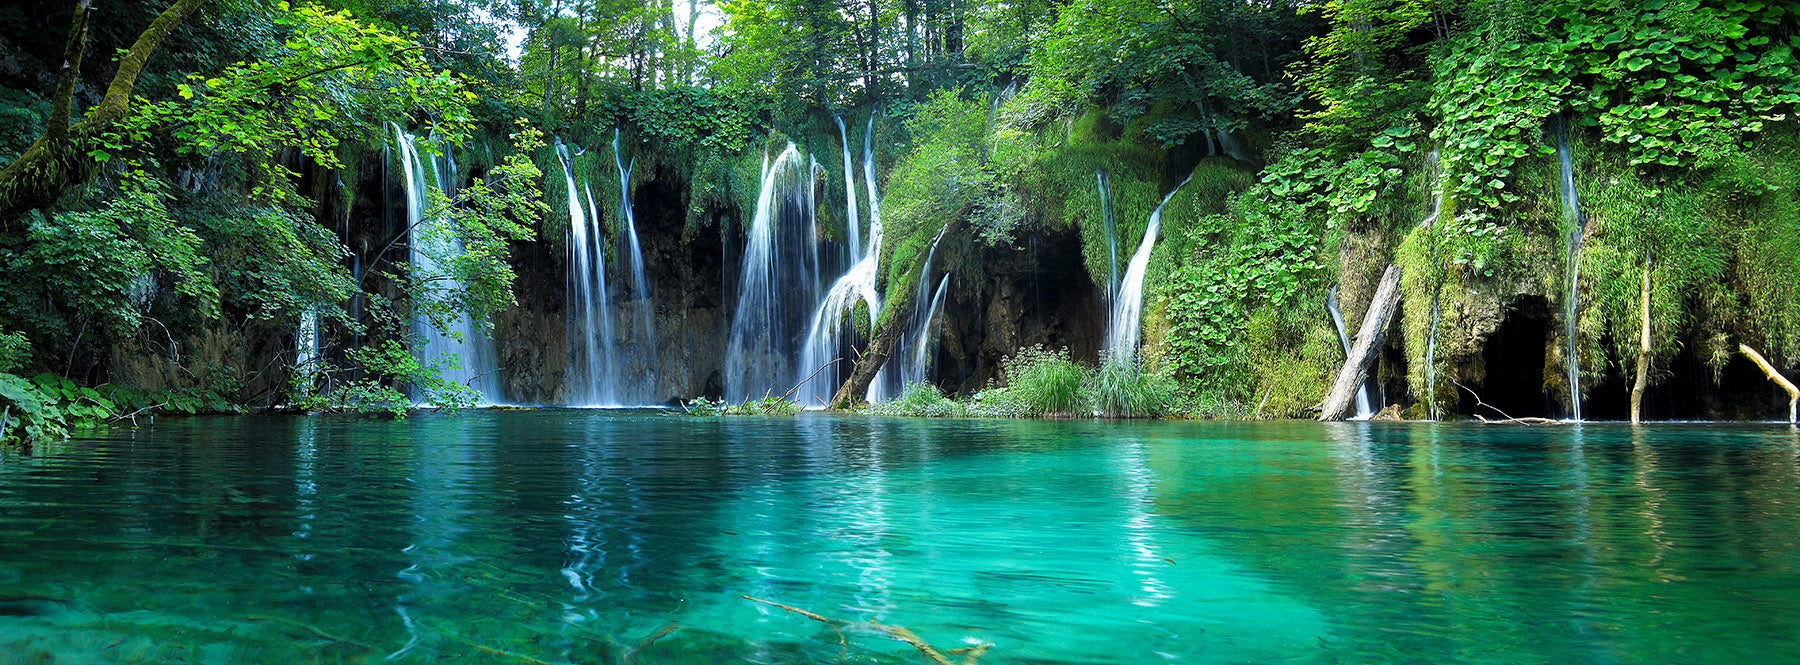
(1337, 321)
(306, 347)
(466, 350)
(1122, 333)
(924, 341)
(909, 362)
(1433, 205)
(1571, 213)
(594, 364)
(774, 284)
(1112, 235)
(849, 193)
(825, 335)
(643, 389)
(1229, 145)
(878, 387)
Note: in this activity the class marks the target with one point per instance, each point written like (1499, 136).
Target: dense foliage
(162, 211)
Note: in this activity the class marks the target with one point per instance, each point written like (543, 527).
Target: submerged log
(1792, 391)
(970, 654)
(1362, 354)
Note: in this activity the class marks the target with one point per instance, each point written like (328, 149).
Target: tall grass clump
(1121, 388)
(1038, 382)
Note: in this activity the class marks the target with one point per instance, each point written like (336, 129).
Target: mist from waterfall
(462, 348)
(1122, 330)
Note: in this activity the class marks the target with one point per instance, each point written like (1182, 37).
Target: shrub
(767, 406)
(918, 400)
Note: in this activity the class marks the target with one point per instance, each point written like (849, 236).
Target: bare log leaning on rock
(1368, 339)
(1792, 391)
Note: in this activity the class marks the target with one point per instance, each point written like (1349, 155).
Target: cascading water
(775, 284)
(914, 342)
(1337, 321)
(878, 387)
(1433, 205)
(825, 335)
(643, 334)
(306, 345)
(1122, 332)
(851, 222)
(595, 361)
(1571, 213)
(924, 337)
(465, 352)
(1112, 234)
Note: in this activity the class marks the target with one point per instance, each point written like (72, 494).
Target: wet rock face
(684, 273)
(1036, 293)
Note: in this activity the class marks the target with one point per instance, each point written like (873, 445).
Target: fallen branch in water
(317, 632)
(1509, 418)
(631, 657)
(970, 654)
(809, 377)
(1521, 421)
(133, 415)
(510, 654)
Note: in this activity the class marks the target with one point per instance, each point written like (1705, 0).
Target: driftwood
(970, 654)
(1643, 362)
(1506, 418)
(1792, 391)
(1519, 421)
(809, 377)
(1362, 354)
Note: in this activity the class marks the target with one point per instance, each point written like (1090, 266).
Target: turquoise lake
(568, 536)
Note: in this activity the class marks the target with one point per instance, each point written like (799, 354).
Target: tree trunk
(1643, 362)
(49, 168)
(873, 59)
(687, 59)
(1368, 342)
(868, 365)
(1792, 391)
(68, 74)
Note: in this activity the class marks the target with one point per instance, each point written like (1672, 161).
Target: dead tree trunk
(1362, 354)
(1643, 362)
(1792, 391)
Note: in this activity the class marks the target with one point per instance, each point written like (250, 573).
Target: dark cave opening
(1513, 360)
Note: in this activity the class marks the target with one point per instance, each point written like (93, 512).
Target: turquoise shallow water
(572, 536)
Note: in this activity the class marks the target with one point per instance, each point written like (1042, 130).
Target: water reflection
(576, 537)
